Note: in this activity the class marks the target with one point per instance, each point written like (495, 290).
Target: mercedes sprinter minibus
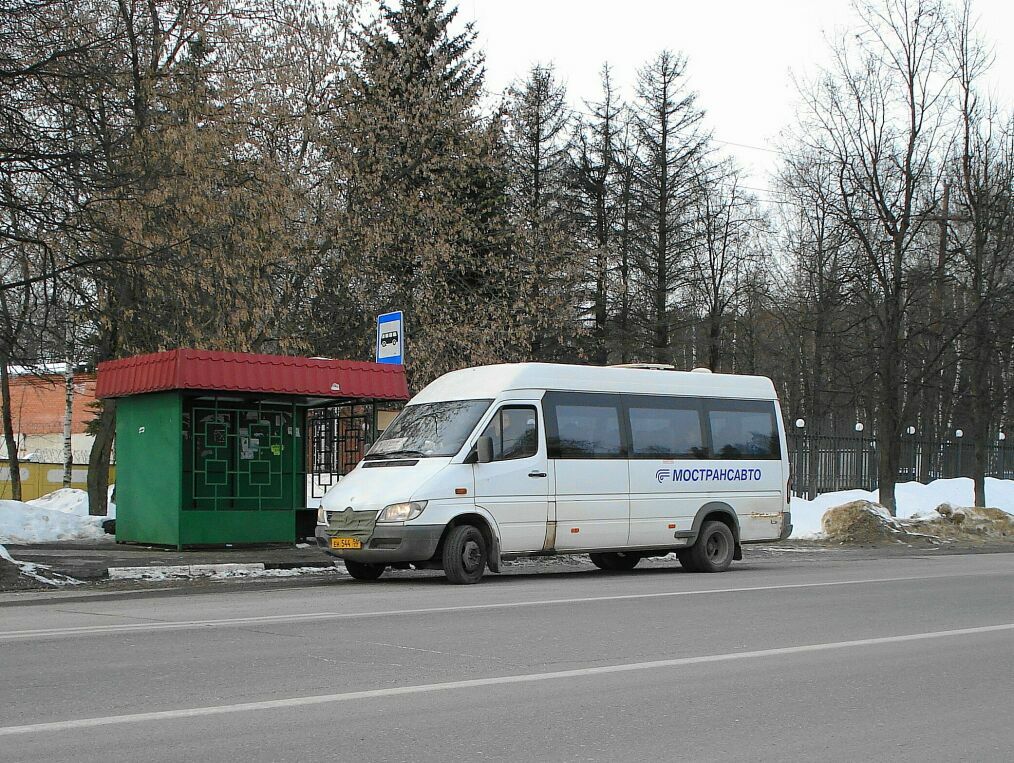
(533, 459)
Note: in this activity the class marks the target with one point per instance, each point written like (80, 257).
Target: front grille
(351, 524)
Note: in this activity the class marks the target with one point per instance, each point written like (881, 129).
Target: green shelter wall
(149, 469)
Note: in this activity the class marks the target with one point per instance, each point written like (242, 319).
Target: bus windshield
(429, 429)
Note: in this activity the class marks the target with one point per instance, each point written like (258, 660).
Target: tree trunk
(98, 460)
(68, 421)
(889, 413)
(982, 352)
(714, 339)
(13, 463)
(601, 352)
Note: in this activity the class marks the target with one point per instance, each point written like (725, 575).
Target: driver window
(515, 432)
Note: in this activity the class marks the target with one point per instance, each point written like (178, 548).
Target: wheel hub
(471, 555)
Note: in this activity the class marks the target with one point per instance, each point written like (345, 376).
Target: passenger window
(515, 432)
(583, 426)
(666, 428)
(743, 429)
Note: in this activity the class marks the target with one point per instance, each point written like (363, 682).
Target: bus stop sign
(391, 338)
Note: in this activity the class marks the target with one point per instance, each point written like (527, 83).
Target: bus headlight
(321, 516)
(402, 512)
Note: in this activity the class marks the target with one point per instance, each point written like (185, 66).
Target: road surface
(871, 659)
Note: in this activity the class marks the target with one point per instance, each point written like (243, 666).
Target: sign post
(391, 338)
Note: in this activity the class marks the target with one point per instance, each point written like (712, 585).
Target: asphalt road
(778, 659)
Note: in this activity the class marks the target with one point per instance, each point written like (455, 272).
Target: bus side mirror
(484, 449)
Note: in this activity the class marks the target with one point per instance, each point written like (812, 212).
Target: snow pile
(914, 501)
(858, 522)
(60, 515)
(25, 523)
(72, 501)
(13, 573)
(66, 499)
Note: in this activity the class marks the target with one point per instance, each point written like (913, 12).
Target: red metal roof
(245, 372)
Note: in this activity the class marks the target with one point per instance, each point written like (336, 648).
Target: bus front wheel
(465, 555)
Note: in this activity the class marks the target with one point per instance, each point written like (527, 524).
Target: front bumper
(388, 544)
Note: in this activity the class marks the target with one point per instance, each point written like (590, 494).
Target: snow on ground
(40, 572)
(60, 515)
(215, 571)
(73, 501)
(913, 499)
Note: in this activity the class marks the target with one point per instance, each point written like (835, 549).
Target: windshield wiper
(395, 454)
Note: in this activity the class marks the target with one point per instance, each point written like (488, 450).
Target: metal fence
(826, 463)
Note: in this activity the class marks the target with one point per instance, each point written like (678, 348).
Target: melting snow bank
(72, 501)
(60, 515)
(40, 573)
(215, 571)
(915, 501)
(25, 523)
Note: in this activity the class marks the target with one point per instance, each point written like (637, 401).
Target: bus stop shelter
(211, 447)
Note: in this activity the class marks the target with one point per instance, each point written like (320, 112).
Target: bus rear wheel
(713, 550)
(615, 562)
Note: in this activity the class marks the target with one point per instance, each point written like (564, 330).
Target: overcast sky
(742, 53)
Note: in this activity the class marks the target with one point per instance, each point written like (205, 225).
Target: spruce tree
(424, 229)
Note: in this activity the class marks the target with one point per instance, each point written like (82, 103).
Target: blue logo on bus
(707, 475)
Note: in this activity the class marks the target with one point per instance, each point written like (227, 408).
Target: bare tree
(726, 252)
(983, 234)
(878, 119)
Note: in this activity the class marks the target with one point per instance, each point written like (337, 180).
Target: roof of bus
(489, 381)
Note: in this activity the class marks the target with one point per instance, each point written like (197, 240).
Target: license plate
(346, 543)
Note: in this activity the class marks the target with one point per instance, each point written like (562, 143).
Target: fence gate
(339, 437)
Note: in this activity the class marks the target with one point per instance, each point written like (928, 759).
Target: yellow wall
(39, 479)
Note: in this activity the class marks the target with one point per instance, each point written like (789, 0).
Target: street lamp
(859, 426)
(911, 430)
(800, 423)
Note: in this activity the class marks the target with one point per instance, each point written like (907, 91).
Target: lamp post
(958, 434)
(910, 431)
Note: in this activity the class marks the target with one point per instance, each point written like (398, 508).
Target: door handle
(536, 474)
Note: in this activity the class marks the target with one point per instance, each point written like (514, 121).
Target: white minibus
(535, 459)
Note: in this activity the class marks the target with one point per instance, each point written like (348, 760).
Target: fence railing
(826, 463)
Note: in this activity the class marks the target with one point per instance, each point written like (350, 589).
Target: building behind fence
(826, 463)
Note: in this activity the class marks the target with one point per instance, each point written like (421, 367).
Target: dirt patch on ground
(866, 523)
(11, 578)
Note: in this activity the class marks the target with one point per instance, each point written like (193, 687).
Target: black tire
(465, 555)
(713, 550)
(615, 562)
(364, 570)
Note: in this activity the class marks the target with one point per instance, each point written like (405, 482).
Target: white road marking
(399, 691)
(233, 622)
